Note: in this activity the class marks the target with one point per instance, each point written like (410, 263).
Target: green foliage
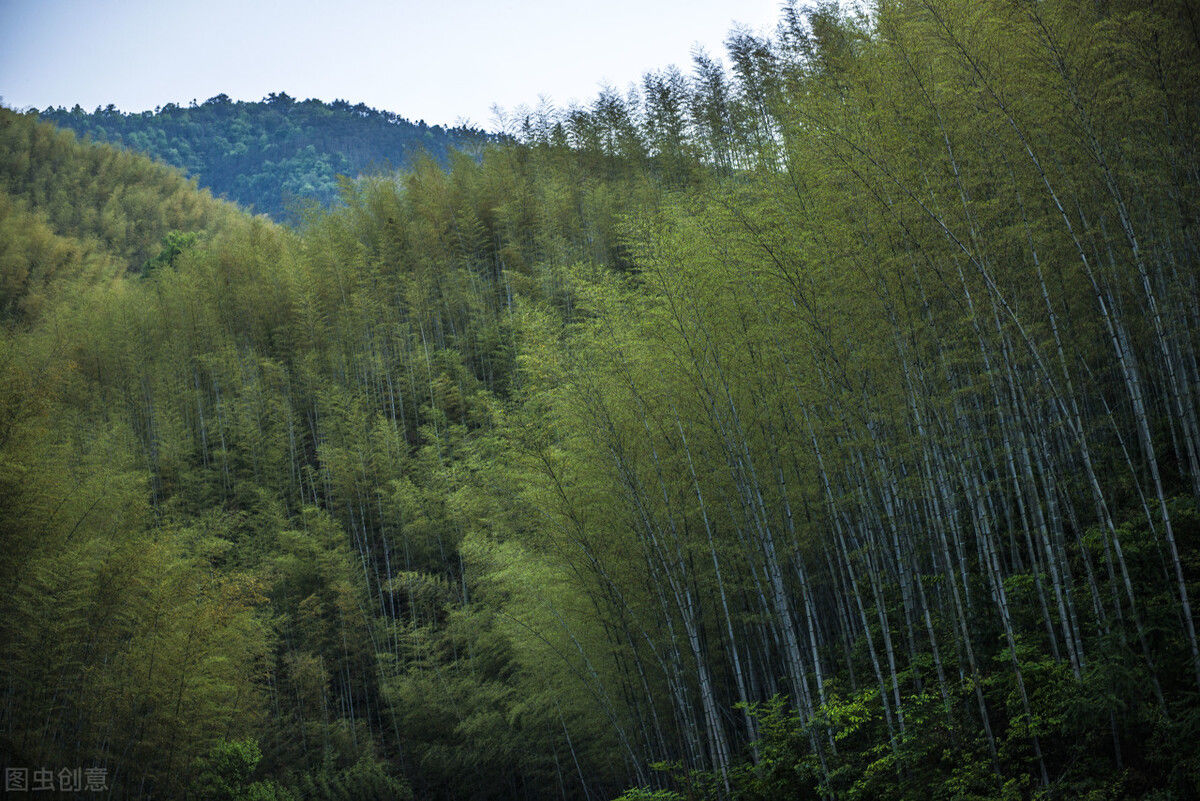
(821, 429)
(107, 200)
(643, 794)
(174, 244)
(365, 780)
(273, 155)
(224, 775)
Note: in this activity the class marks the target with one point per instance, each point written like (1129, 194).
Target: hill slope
(64, 205)
(269, 154)
(824, 430)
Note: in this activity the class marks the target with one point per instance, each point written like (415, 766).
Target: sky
(442, 61)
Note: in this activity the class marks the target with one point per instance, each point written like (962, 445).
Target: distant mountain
(270, 154)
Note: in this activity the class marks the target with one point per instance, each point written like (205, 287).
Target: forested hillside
(275, 155)
(823, 426)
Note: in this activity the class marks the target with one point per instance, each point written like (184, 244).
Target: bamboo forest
(818, 419)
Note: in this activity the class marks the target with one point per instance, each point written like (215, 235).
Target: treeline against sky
(275, 155)
(821, 427)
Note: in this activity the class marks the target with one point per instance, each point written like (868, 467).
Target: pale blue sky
(438, 61)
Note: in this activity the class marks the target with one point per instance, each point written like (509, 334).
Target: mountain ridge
(274, 155)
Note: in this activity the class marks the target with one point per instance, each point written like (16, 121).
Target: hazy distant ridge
(270, 153)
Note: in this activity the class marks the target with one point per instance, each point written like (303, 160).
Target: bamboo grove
(821, 426)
